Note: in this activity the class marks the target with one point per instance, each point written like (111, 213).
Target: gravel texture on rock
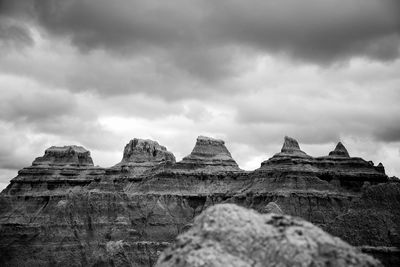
(229, 235)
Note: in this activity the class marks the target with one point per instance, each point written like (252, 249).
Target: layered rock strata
(291, 148)
(209, 155)
(340, 151)
(141, 155)
(74, 215)
(337, 169)
(229, 235)
(64, 156)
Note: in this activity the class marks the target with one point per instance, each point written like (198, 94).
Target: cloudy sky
(99, 73)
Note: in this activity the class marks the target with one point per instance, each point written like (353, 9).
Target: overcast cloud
(99, 73)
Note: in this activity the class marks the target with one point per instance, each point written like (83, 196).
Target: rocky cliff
(63, 211)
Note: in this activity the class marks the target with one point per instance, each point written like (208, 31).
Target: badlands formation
(64, 211)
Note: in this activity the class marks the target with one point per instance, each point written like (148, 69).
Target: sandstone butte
(64, 211)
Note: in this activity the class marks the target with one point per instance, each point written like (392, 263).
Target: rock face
(272, 207)
(340, 151)
(229, 235)
(72, 214)
(291, 148)
(143, 154)
(337, 168)
(145, 151)
(209, 155)
(64, 156)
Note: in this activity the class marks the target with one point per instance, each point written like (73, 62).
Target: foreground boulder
(229, 235)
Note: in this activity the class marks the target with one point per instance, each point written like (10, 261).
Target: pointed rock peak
(66, 155)
(340, 151)
(291, 147)
(145, 150)
(380, 168)
(210, 151)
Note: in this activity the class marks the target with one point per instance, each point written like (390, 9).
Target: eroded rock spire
(340, 151)
(291, 147)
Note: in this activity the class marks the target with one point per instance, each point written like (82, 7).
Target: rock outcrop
(340, 151)
(272, 207)
(336, 169)
(229, 235)
(209, 155)
(75, 214)
(143, 154)
(291, 147)
(64, 156)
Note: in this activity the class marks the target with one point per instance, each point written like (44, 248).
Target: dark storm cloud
(97, 73)
(13, 35)
(389, 132)
(312, 30)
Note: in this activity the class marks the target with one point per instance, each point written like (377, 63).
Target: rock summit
(210, 154)
(63, 156)
(340, 151)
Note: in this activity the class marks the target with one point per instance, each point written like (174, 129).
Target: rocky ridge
(75, 214)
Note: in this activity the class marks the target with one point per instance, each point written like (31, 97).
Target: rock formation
(229, 235)
(209, 155)
(291, 148)
(64, 156)
(272, 207)
(340, 151)
(143, 154)
(337, 168)
(380, 168)
(75, 214)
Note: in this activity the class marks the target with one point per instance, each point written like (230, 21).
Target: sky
(99, 73)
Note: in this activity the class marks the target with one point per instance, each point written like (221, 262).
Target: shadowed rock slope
(229, 235)
(67, 212)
